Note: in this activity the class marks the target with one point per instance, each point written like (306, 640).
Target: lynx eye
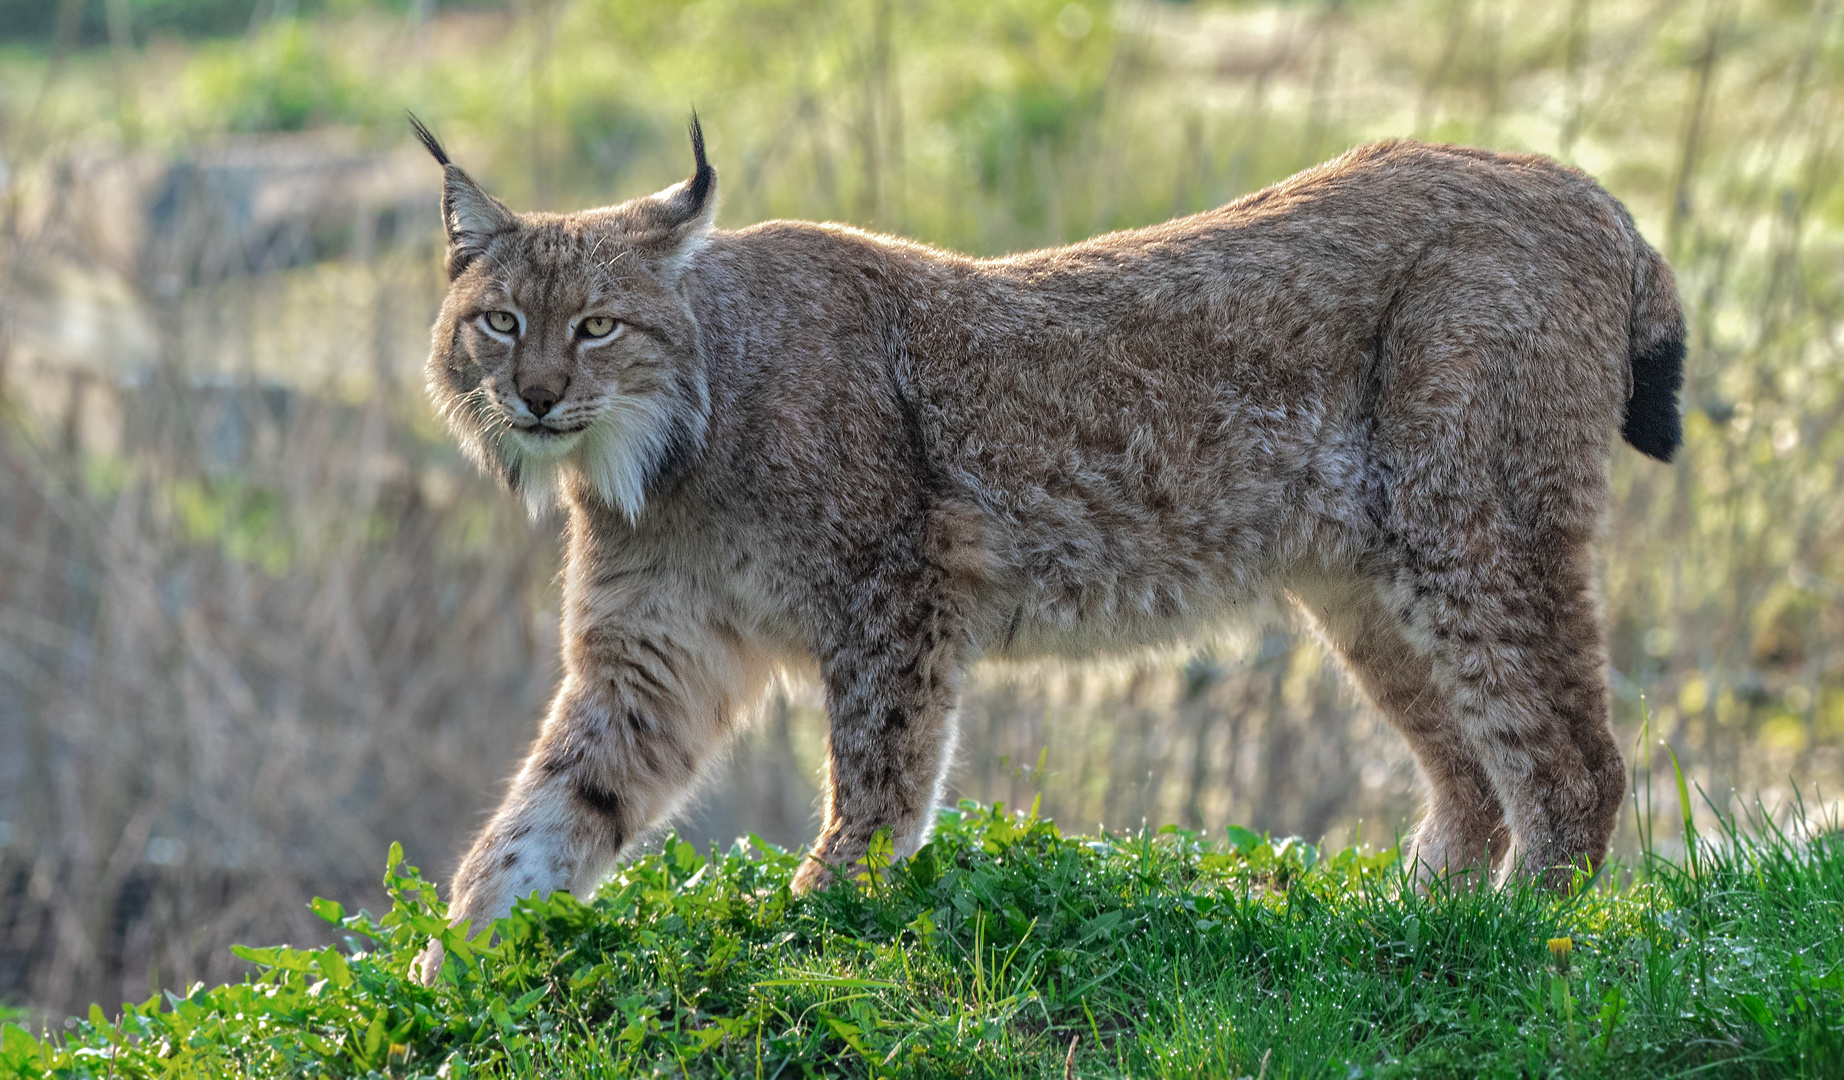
(503, 321)
(598, 326)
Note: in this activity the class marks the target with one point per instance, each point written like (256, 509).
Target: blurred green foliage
(283, 79)
(994, 126)
(54, 23)
(86, 22)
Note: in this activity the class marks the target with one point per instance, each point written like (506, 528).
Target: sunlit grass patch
(1005, 941)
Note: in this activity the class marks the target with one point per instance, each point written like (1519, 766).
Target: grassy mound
(1006, 948)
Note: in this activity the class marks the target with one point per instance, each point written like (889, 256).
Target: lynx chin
(1386, 388)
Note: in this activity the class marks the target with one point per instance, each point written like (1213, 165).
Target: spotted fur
(1386, 387)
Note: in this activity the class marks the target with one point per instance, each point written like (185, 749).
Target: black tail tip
(428, 139)
(1653, 425)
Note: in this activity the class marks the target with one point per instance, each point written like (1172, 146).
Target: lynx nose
(539, 398)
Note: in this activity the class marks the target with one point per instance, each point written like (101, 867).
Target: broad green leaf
(1101, 926)
(20, 1052)
(334, 966)
(374, 1038)
(265, 957)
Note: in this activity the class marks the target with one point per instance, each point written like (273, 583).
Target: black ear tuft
(674, 221)
(431, 144)
(470, 217)
(698, 188)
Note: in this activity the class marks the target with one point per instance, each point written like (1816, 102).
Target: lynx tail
(1652, 423)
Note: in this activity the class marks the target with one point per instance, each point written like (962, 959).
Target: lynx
(1385, 388)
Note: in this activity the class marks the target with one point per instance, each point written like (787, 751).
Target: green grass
(1004, 941)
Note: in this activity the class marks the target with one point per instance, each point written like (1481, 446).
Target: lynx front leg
(638, 717)
(890, 695)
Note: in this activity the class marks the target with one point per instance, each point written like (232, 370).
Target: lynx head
(566, 352)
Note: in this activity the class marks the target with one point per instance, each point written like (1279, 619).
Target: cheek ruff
(623, 447)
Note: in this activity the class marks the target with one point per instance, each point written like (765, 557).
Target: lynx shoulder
(1386, 388)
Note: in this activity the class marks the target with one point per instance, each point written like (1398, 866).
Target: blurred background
(258, 619)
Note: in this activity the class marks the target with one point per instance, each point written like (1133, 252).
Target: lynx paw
(815, 875)
(427, 967)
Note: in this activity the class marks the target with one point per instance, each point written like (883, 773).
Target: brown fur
(1386, 386)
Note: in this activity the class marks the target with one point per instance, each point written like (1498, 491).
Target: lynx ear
(679, 217)
(694, 200)
(470, 216)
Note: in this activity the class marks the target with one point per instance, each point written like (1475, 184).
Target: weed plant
(1007, 948)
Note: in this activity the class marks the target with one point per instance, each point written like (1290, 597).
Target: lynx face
(565, 352)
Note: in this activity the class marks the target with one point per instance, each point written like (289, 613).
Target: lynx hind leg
(1463, 835)
(1516, 643)
(628, 735)
(890, 695)
(1495, 439)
